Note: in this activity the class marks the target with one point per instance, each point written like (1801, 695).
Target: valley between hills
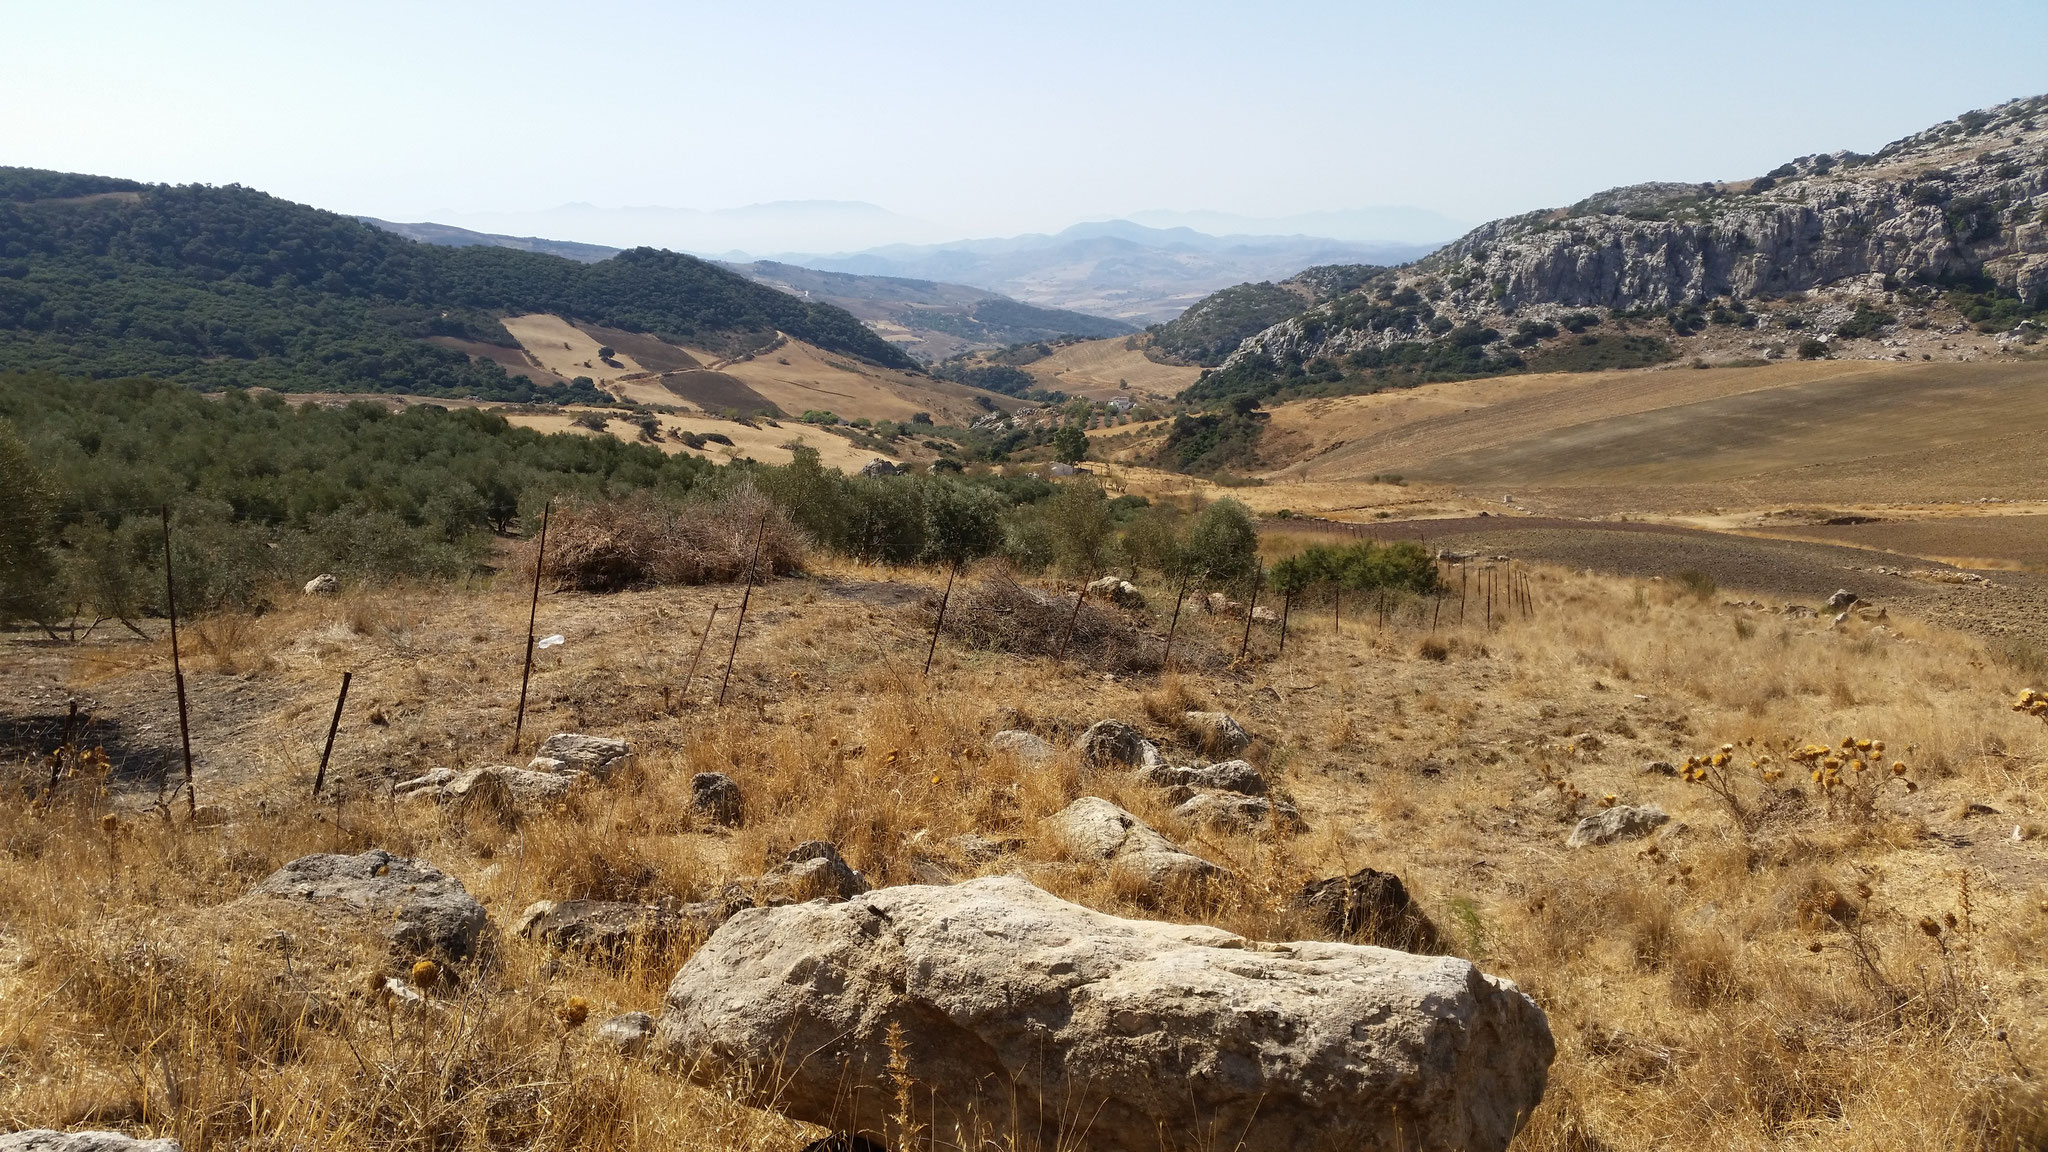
(1581, 689)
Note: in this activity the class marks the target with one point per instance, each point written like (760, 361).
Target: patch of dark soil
(716, 391)
(881, 593)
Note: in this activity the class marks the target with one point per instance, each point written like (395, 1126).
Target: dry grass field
(1989, 543)
(1780, 968)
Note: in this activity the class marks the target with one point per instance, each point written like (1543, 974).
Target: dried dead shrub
(643, 541)
(1000, 614)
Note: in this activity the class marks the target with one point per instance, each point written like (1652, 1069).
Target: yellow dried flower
(426, 974)
(1899, 768)
(575, 1012)
(1928, 926)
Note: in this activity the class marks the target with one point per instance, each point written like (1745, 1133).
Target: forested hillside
(229, 287)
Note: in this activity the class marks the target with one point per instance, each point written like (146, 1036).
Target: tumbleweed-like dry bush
(1789, 963)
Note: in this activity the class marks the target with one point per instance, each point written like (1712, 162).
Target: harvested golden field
(799, 377)
(1096, 369)
(1677, 440)
(1784, 964)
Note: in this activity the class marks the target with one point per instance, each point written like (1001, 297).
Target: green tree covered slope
(230, 287)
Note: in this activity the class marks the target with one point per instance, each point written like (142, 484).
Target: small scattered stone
(1660, 768)
(975, 848)
(1371, 907)
(1218, 732)
(597, 755)
(1621, 822)
(1113, 743)
(323, 585)
(1027, 748)
(1093, 828)
(811, 870)
(717, 796)
(1841, 599)
(628, 1033)
(1231, 811)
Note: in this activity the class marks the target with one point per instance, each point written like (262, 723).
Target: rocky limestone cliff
(1964, 200)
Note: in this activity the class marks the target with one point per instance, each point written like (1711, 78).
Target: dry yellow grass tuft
(1783, 965)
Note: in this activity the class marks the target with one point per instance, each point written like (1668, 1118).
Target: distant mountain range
(1098, 279)
(930, 319)
(1113, 268)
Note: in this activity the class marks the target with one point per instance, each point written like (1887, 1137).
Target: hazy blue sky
(986, 119)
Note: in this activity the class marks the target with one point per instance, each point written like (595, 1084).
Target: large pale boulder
(1094, 829)
(418, 907)
(1017, 1011)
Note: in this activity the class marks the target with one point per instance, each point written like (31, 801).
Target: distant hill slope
(1209, 332)
(1112, 268)
(929, 319)
(231, 287)
(1943, 230)
(427, 232)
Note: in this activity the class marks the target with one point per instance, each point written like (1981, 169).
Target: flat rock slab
(1227, 776)
(420, 908)
(597, 755)
(1020, 1011)
(1237, 813)
(1094, 829)
(612, 928)
(47, 1140)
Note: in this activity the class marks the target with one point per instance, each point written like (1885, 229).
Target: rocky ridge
(1964, 202)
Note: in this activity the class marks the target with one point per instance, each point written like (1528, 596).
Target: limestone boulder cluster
(558, 765)
(1017, 1012)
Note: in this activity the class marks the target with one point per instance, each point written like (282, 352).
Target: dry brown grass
(1773, 990)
